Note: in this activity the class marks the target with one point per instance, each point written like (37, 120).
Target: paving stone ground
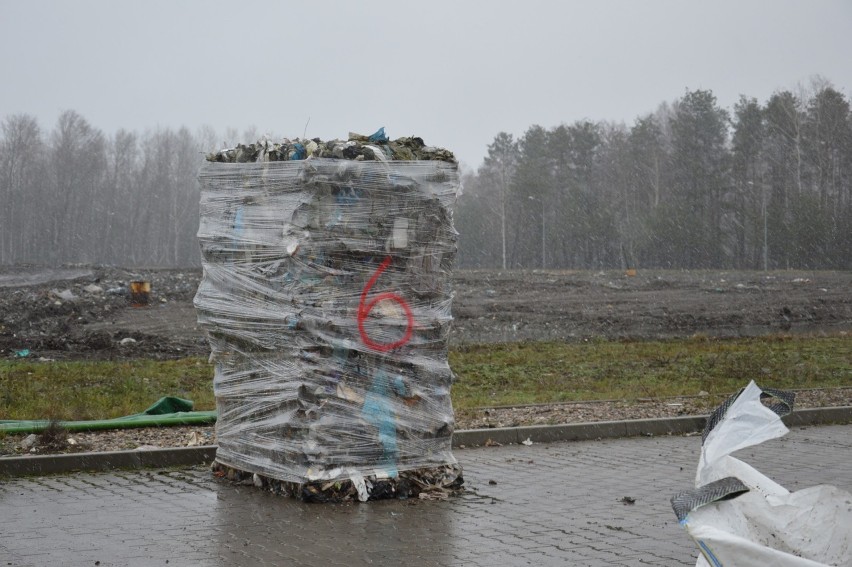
(542, 505)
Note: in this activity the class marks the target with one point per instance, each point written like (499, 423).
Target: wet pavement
(595, 503)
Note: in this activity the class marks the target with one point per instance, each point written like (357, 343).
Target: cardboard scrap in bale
(326, 298)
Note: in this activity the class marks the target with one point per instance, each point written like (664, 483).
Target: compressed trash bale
(326, 298)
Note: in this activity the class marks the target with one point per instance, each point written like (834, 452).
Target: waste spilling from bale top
(326, 298)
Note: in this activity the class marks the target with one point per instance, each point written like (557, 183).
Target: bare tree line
(692, 185)
(74, 195)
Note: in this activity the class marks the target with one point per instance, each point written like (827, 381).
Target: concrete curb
(109, 460)
(185, 456)
(579, 431)
(631, 428)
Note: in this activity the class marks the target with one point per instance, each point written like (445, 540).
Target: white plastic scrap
(768, 525)
(360, 485)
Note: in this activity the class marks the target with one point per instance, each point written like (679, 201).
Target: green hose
(165, 412)
(182, 418)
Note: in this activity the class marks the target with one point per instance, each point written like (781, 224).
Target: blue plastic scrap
(300, 152)
(378, 410)
(379, 136)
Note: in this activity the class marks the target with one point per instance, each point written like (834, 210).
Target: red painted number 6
(364, 309)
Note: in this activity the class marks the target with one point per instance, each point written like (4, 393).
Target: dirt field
(86, 312)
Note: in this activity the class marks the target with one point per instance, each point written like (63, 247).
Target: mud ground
(84, 312)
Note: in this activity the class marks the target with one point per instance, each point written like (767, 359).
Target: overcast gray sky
(453, 72)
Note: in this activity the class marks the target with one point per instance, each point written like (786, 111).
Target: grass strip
(524, 373)
(488, 375)
(83, 390)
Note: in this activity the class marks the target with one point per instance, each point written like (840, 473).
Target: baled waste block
(326, 298)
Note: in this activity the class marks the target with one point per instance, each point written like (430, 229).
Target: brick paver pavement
(546, 504)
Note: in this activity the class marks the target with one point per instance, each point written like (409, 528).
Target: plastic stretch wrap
(326, 299)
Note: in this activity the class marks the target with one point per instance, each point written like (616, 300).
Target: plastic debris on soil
(437, 483)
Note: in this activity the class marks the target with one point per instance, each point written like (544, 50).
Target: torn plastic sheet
(738, 516)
